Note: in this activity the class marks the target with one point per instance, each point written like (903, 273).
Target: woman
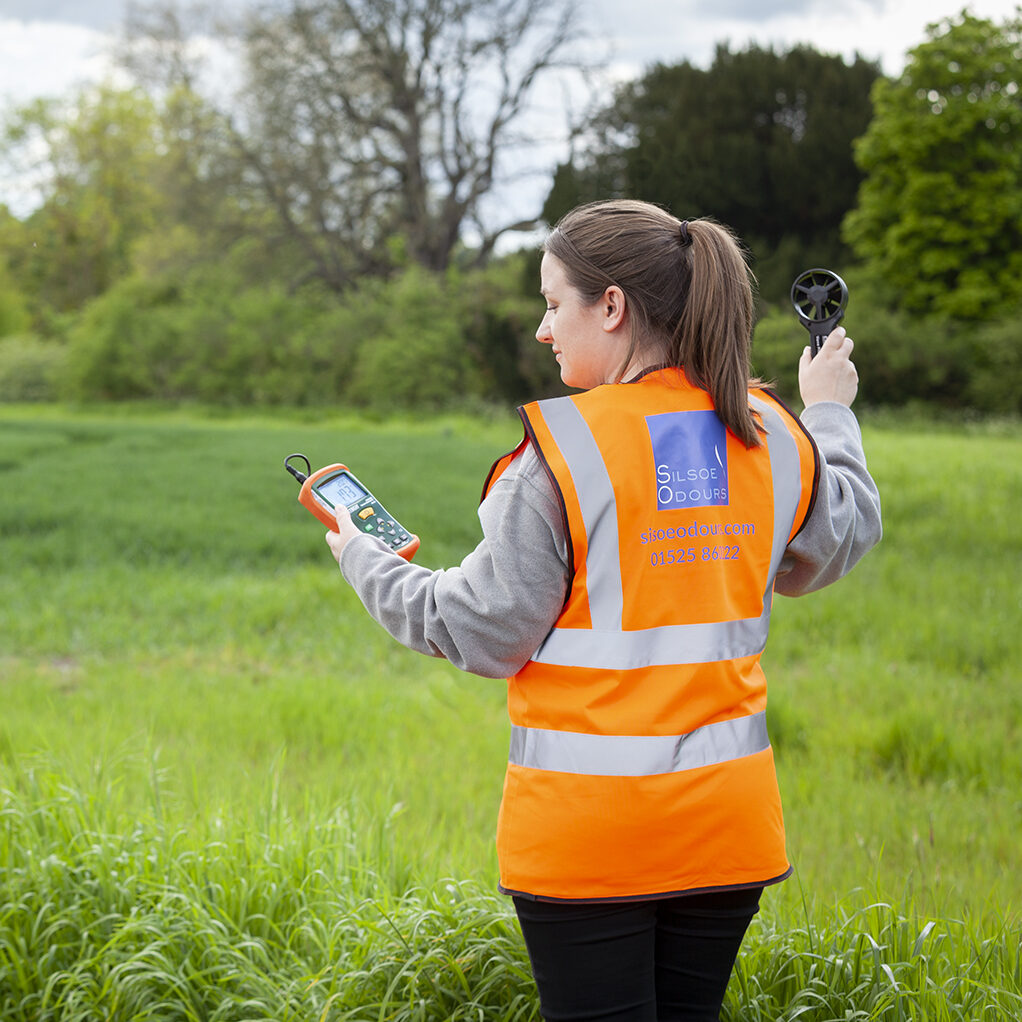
(632, 544)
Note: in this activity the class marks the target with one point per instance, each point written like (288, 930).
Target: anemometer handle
(819, 297)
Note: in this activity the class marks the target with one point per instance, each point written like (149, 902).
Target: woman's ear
(614, 308)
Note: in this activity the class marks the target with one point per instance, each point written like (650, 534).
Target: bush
(995, 383)
(416, 341)
(14, 315)
(30, 368)
(125, 346)
(442, 340)
(196, 339)
(904, 359)
(777, 344)
(417, 358)
(499, 311)
(427, 342)
(266, 347)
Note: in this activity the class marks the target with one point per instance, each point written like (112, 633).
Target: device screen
(340, 489)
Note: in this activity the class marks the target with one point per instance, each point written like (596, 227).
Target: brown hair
(687, 287)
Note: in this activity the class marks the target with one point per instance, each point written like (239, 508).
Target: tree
(115, 173)
(939, 216)
(375, 128)
(92, 159)
(760, 140)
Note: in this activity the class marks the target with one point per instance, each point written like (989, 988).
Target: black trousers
(636, 961)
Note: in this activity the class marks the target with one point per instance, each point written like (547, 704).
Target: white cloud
(39, 58)
(645, 31)
(40, 55)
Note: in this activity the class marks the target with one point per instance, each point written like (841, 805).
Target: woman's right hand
(831, 376)
(346, 532)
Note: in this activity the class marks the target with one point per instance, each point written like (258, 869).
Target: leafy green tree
(125, 181)
(94, 161)
(14, 315)
(939, 217)
(760, 140)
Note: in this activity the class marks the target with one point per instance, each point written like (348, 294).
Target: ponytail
(713, 336)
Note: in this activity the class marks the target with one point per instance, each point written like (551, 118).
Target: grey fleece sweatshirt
(490, 615)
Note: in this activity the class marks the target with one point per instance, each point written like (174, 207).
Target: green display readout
(340, 489)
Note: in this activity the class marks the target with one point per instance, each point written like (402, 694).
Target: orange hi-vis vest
(639, 762)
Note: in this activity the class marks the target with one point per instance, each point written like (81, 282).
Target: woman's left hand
(831, 376)
(346, 532)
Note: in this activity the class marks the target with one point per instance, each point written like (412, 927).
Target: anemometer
(819, 297)
(335, 486)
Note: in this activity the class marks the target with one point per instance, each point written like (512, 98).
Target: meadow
(225, 793)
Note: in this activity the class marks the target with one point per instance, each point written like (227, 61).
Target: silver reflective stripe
(636, 755)
(786, 471)
(655, 647)
(605, 645)
(577, 444)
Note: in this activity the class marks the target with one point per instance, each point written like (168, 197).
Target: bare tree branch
(362, 120)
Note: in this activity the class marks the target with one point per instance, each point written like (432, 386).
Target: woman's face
(586, 339)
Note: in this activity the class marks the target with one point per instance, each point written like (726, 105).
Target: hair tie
(686, 238)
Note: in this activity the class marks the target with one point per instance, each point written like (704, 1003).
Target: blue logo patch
(690, 459)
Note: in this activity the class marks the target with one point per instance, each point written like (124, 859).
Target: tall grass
(237, 921)
(269, 919)
(877, 963)
(225, 793)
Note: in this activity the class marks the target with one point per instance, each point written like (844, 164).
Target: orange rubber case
(308, 498)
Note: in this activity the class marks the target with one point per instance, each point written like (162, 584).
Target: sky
(48, 47)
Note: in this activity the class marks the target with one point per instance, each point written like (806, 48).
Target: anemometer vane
(819, 297)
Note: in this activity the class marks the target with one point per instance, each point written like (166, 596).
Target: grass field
(226, 793)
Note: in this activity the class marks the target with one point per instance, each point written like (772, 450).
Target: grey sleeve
(845, 521)
(490, 614)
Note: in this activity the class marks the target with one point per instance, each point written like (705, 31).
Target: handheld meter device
(819, 297)
(335, 486)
